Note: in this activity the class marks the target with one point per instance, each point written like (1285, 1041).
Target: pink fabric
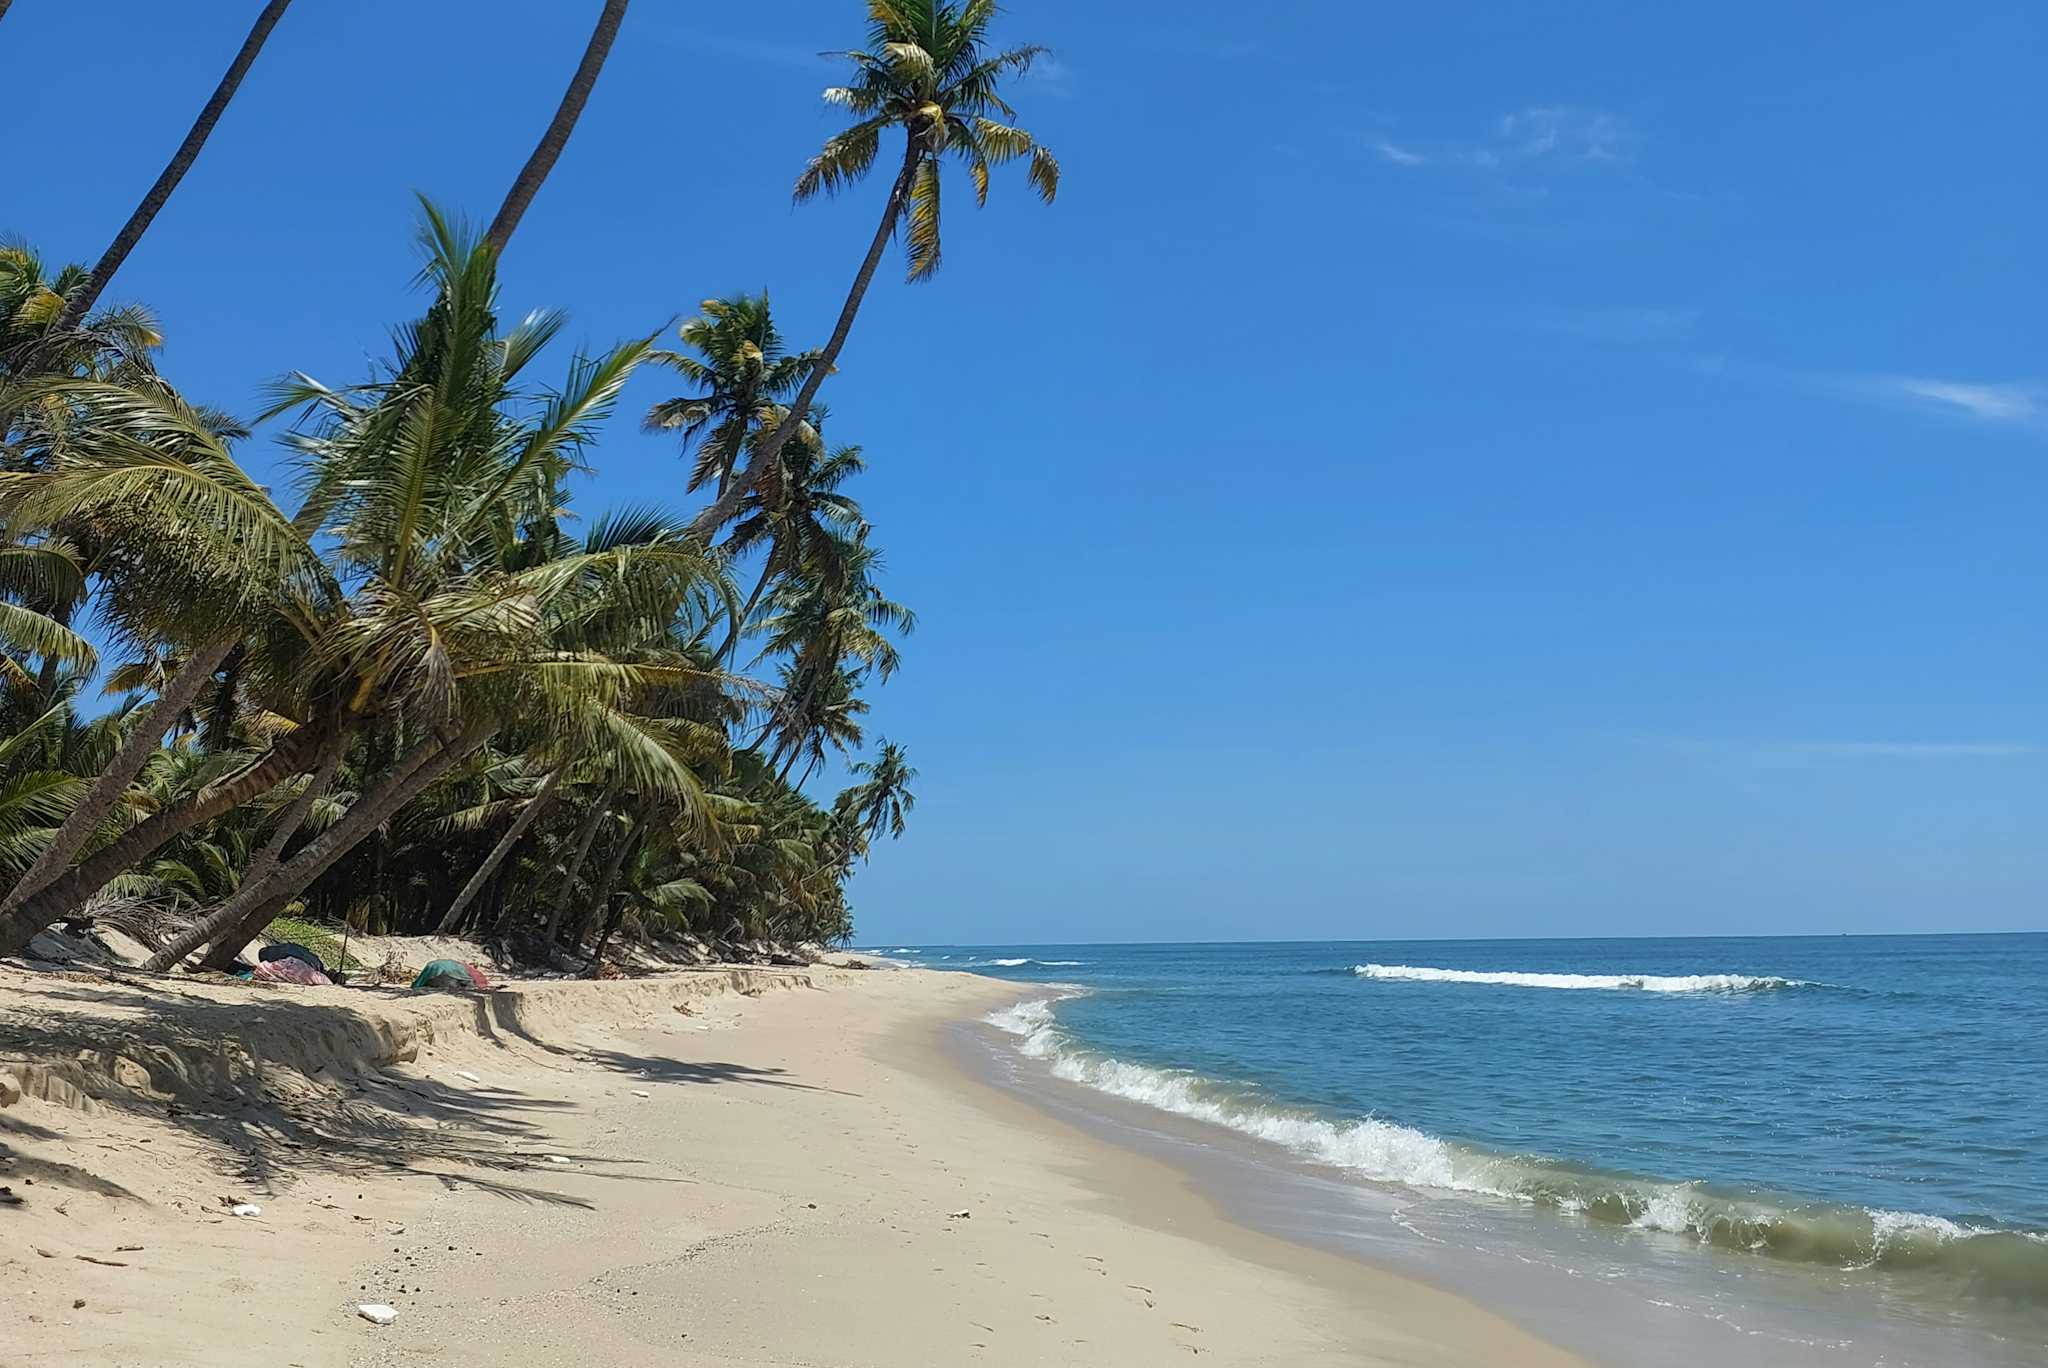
(476, 976)
(290, 970)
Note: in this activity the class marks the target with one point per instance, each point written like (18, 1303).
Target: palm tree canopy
(928, 70)
(738, 362)
(882, 799)
(797, 512)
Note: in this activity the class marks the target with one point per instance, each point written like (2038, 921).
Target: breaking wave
(1645, 983)
(1019, 961)
(2005, 1262)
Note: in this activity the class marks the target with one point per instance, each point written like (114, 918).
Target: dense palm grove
(396, 690)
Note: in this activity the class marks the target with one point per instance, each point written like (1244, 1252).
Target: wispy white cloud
(1565, 133)
(2006, 403)
(2018, 401)
(1399, 156)
(1540, 137)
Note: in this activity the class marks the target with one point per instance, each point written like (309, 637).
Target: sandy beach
(774, 1167)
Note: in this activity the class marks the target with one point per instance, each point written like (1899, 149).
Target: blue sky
(1438, 470)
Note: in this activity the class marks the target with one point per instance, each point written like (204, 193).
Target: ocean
(1773, 1151)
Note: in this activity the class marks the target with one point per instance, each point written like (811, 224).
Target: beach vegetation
(420, 684)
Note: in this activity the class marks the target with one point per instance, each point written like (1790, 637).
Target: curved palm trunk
(537, 805)
(266, 895)
(602, 902)
(800, 717)
(739, 624)
(613, 915)
(301, 808)
(706, 524)
(586, 835)
(181, 162)
(69, 891)
(219, 924)
(790, 764)
(196, 935)
(564, 123)
(260, 903)
(604, 939)
(106, 791)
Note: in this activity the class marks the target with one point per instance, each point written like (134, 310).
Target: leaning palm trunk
(739, 622)
(601, 902)
(219, 924)
(604, 940)
(262, 902)
(613, 915)
(196, 935)
(586, 835)
(537, 805)
(59, 897)
(106, 791)
(560, 127)
(88, 294)
(706, 524)
(301, 808)
(796, 729)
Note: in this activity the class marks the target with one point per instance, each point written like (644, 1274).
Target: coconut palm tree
(594, 815)
(41, 584)
(657, 884)
(799, 516)
(927, 71)
(543, 794)
(603, 908)
(430, 485)
(556, 136)
(192, 552)
(469, 605)
(742, 369)
(109, 344)
(80, 301)
(882, 799)
(35, 793)
(824, 715)
(834, 632)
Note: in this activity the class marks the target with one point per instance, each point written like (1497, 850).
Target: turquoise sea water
(1868, 1114)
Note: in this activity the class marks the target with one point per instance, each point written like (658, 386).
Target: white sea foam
(1645, 983)
(1032, 1022)
(1372, 1148)
(1019, 961)
(1382, 1151)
